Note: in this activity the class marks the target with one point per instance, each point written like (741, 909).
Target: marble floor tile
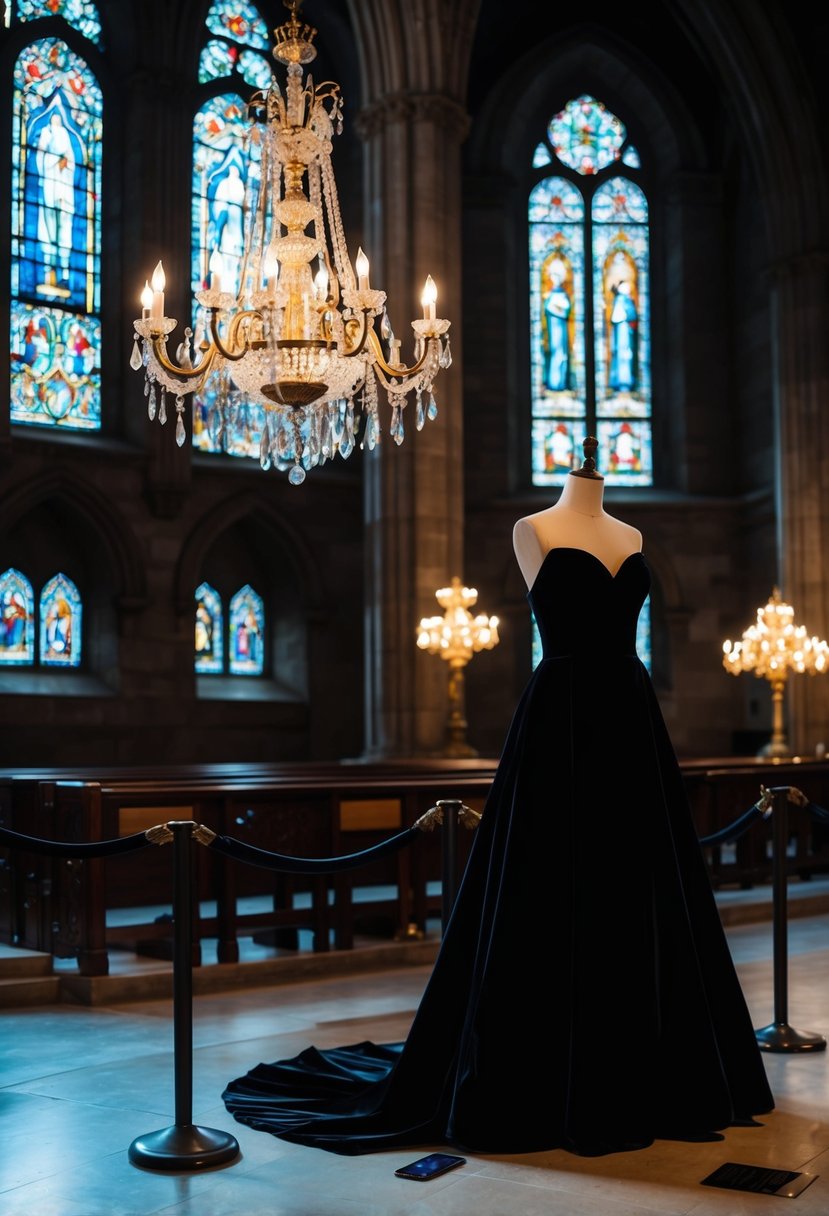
(78, 1085)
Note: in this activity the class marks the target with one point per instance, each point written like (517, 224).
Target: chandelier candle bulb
(159, 283)
(429, 299)
(362, 271)
(215, 271)
(146, 301)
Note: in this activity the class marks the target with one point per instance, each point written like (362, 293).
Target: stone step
(29, 990)
(16, 963)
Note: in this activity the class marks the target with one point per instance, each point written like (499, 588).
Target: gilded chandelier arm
(233, 330)
(185, 373)
(397, 372)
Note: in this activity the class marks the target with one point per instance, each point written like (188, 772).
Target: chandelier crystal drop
(300, 337)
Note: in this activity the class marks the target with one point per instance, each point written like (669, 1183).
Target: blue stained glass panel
(55, 364)
(17, 627)
(225, 168)
(239, 21)
(82, 14)
(586, 136)
(556, 232)
(220, 59)
(56, 177)
(55, 333)
(621, 308)
(209, 648)
(60, 623)
(247, 633)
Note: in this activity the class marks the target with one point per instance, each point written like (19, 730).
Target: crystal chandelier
(456, 637)
(771, 648)
(300, 336)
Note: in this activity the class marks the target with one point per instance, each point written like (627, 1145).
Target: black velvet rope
(733, 831)
(239, 851)
(63, 848)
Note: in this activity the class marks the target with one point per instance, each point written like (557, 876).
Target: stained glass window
(55, 331)
(60, 623)
(225, 168)
(58, 620)
(589, 300)
(240, 22)
(621, 308)
(17, 630)
(224, 164)
(556, 326)
(81, 14)
(585, 136)
(247, 633)
(209, 633)
(220, 59)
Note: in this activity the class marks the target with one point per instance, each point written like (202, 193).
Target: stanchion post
(451, 808)
(184, 1146)
(779, 1035)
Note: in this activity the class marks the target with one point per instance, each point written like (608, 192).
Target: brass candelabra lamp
(456, 637)
(771, 648)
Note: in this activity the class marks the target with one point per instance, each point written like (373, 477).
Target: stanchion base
(780, 1036)
(183, 1147)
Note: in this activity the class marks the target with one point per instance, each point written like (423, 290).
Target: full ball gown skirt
(584, 996)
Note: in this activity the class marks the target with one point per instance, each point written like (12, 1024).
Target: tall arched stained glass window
(17, 625)
(225, 166)
(589, 299)
(209, 648)
(60, 623)
(247, 633)
(55, 330)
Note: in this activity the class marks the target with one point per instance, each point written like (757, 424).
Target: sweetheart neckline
(587, 553)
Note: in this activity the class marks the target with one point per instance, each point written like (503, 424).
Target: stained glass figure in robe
(209, 658)
(247, 627)
(60, 623)
(16, 619)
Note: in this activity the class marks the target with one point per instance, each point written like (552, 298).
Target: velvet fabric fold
(584, 996)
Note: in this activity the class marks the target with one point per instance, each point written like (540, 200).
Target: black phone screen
(429, 1167)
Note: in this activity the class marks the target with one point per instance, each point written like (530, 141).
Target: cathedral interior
(625, 215)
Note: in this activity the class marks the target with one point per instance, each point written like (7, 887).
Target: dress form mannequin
(576, 521)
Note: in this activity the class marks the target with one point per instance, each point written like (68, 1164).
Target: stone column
(413, 493)
(800, 319)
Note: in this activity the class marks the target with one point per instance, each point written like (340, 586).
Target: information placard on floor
(734, 1176)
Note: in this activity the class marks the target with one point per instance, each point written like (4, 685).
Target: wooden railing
(303, 810)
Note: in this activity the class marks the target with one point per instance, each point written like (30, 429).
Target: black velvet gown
(584, 996)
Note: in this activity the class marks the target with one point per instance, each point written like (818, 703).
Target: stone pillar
(800, 319)
(413, 493)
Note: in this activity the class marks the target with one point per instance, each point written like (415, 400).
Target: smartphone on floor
(429, 1167)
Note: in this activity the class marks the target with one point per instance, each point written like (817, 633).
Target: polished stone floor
(78, 1085)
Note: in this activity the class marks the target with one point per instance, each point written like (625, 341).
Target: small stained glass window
(246, 633)
(60, 623)
(17, 628)
(586, 136)
(209, 633)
